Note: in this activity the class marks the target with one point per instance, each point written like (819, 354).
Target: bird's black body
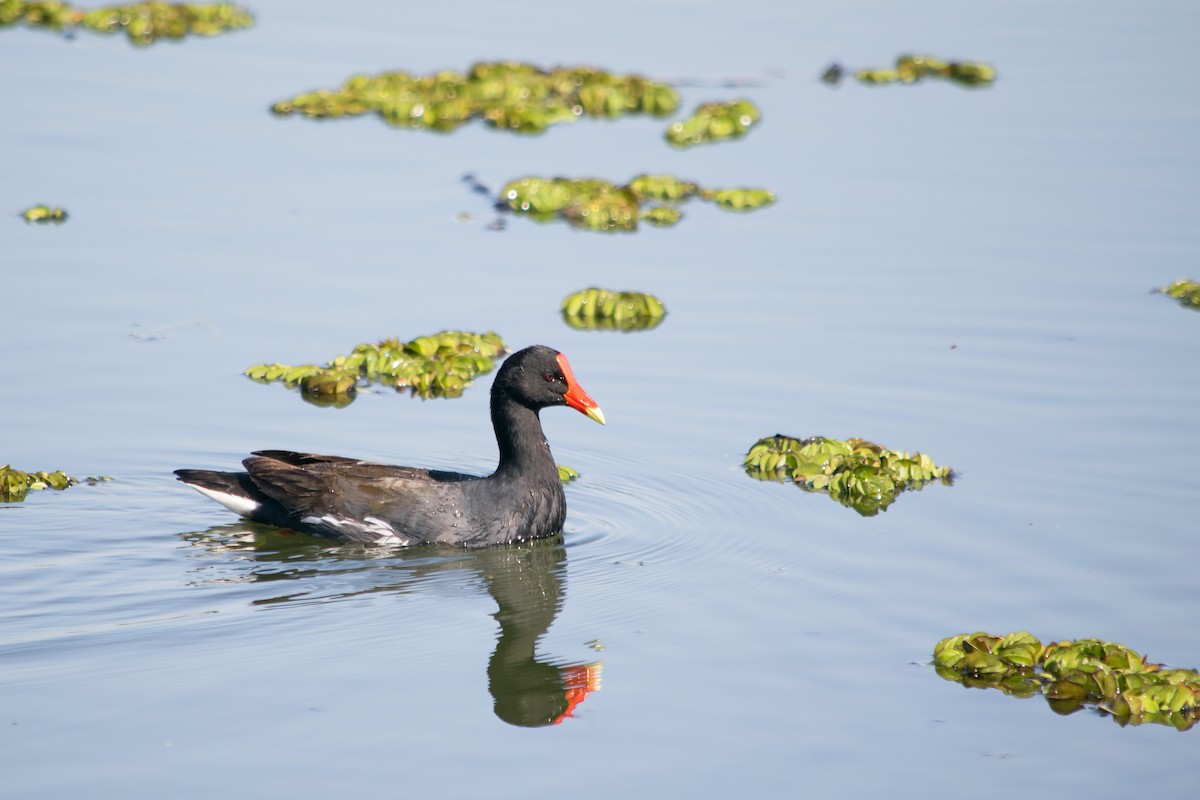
(364, 501)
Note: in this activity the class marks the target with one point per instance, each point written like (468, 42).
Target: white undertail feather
(235, 503)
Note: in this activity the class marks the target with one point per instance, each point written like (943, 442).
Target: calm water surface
(964, 273)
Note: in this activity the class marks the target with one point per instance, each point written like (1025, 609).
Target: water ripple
(635, 531)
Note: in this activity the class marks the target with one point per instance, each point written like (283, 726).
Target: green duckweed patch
(15, 484)
(714, 122)
(44, 214)
(911, 69)
(1071, 675)
(566, 474)
(441, 365)
(858, 474)
(599, 309)
(1187, 292)
(598, 205)
(505, 95)
(142, 23)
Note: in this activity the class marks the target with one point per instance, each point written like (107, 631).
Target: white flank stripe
(383, 532)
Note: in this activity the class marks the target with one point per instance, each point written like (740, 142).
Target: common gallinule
(364, 501)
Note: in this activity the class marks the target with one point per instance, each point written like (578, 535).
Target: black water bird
(364, 501)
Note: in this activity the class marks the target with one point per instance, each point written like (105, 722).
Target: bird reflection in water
(525, 580)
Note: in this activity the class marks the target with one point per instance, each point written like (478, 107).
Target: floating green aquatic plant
(44, 214)
(662, 189)
(859, 474)
(714, 122)
(1073, 674)
(15, 484)
(913, 69)
(661, 216)
(441, 365)
(143, 23)
(1185, 291)
(506, 95)
(598, 205)
(740, 199)
(599, 309)
(566, 474)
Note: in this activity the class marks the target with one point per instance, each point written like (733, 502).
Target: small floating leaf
(607, 209)
(662, 216)
(911, 69)
(539, 196)
(970, 73)
(330, 383)
(741, 199)
(44, 214)
(663, 188)
(566, 474)
(877, 75)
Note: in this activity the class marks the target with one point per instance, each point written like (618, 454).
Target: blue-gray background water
(965, 273)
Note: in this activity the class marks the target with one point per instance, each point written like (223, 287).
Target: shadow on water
(526, 581)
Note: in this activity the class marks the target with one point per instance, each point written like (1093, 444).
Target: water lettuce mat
(1109, 677)
(598, 205)
(858, 474)
(441, 365)
(714, 122)
(1185, 291)
(15, 484)
(914, 69)
(505, 95)
(44, 214)
(599, 309)
(143, 23)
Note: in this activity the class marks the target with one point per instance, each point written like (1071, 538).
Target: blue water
(965, 273)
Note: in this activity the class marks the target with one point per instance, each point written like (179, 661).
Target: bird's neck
(523, 446)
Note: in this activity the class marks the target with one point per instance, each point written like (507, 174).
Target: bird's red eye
(549, 376)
